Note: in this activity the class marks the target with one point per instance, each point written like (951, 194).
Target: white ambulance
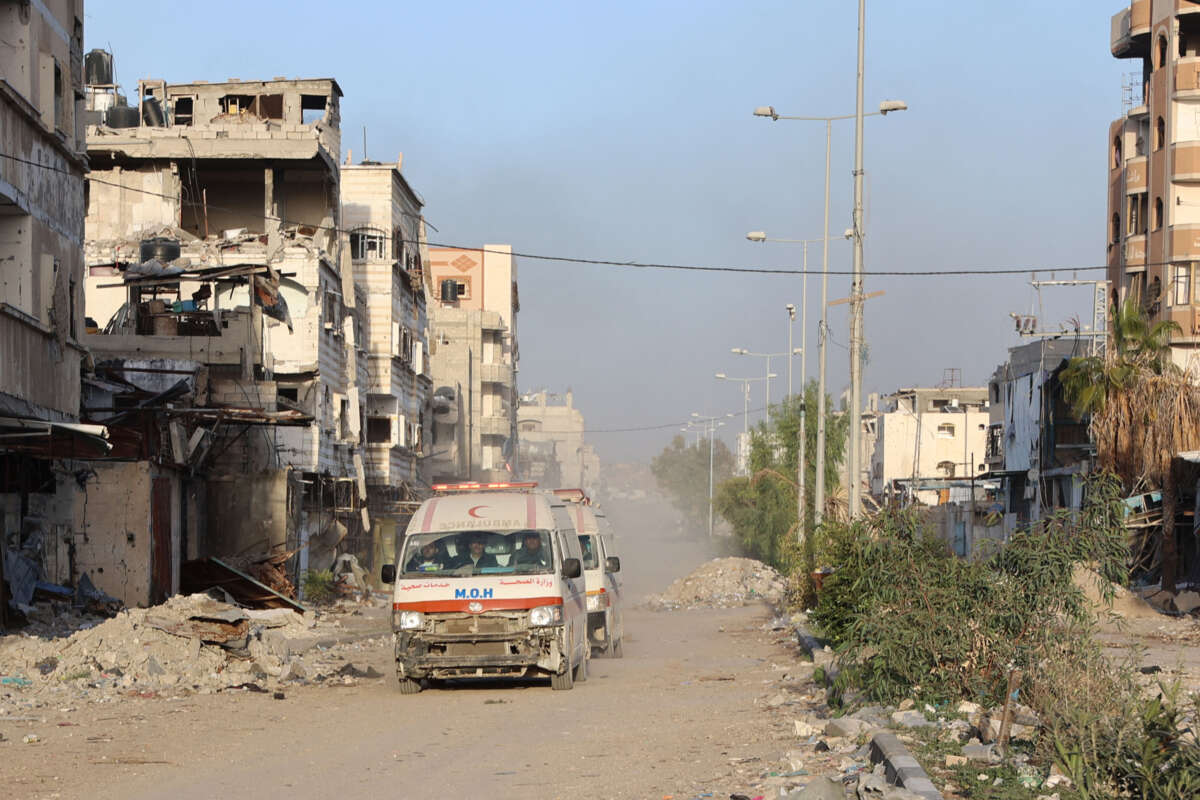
(601, 568)
(488, 584)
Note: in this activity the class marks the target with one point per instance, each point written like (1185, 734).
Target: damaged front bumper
(462, 646)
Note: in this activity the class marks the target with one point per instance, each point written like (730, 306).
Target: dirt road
(680, 715)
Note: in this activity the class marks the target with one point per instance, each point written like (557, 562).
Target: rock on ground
(722, 583)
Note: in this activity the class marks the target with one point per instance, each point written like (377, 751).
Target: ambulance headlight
(544, 616)
(410, 620)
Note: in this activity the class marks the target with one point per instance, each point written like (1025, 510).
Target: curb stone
(902, 768)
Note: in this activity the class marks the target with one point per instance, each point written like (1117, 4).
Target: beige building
(382, 213)
(473, 357)
(930, 434)
(1154, 167)
(217, 265)
(41, 209)
(553, 447)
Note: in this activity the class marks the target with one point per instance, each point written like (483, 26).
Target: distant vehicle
(601, 568)
(489, 584)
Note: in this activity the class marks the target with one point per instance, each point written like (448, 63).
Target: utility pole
(819, 497)
(712, 428)
(856, 288)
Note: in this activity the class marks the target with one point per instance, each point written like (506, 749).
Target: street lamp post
(885, 108)
(721, 376)
(710, 424)
(760, 236)
(741, 351)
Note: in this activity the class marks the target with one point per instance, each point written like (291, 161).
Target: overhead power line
(623, 263)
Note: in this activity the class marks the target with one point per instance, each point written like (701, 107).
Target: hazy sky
(623, 130)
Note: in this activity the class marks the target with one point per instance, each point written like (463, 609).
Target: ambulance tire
(581, 671)
(409, 686)
(563, 682)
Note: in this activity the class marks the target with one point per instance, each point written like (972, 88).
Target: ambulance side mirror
(612, 564)
(387, 573)
(572, 568)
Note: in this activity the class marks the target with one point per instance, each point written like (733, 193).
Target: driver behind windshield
(475, 556)
(532, 554)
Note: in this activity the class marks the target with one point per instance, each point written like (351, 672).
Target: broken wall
(246, 513)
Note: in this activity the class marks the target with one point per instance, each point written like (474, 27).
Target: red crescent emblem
(473, 509)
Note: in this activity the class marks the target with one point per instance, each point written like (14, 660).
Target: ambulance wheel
(615, 650)
(581, 670)
(560, 683)
(409, 686)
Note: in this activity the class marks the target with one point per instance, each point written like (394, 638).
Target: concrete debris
(722, 583)
(191, 644)
(848, 727)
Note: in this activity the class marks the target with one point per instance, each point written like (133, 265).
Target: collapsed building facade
(224, 317)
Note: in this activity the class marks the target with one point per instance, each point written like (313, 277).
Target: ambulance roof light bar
(473, 487)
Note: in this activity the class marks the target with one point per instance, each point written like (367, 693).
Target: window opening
(1160, 134)
(1162, 50)
(379, 430)
(1116, 152)
(1158, 213)
(946, 430)
(183, 111)
(312, 108)
(1116, 228)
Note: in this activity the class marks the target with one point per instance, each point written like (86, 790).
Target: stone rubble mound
(189, 644)
(722, 583)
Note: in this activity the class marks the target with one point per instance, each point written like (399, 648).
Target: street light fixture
(886, 107)
(721, 376)
(741, 351)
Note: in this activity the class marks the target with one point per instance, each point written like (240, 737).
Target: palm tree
(1137, 350)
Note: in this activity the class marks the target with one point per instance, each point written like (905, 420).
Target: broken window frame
(368, 243)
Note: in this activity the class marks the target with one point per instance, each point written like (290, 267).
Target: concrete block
(901, 768)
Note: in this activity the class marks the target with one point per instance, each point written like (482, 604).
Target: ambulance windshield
(478, 552)
(591, 560)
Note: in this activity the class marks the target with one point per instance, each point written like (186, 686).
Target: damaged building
(382, 214)
(42, 163)
(224, 319)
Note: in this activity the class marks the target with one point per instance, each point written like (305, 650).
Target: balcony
(1185, 241)
(1185, 161)
(1130, 30)
(491, 321)
(495, 426)
(496, 373)
(1187, 78)
(1135, 175)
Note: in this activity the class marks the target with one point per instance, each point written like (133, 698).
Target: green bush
(907, 616)
(319, 586)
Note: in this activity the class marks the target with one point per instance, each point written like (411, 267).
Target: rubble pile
(190, 644)
(722, 583)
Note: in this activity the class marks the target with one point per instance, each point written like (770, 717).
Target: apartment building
(924, 437)
(474, 359)
(382, 214)
(41, 209)
(1154, 167)
(554, 451)
(222, 292)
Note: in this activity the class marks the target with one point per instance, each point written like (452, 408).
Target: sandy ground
(665, 720)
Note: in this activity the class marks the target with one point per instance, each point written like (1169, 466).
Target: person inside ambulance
(476, 556)
(532, 554)
(430, 558)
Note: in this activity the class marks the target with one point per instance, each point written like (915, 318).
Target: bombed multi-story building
(220, 295)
